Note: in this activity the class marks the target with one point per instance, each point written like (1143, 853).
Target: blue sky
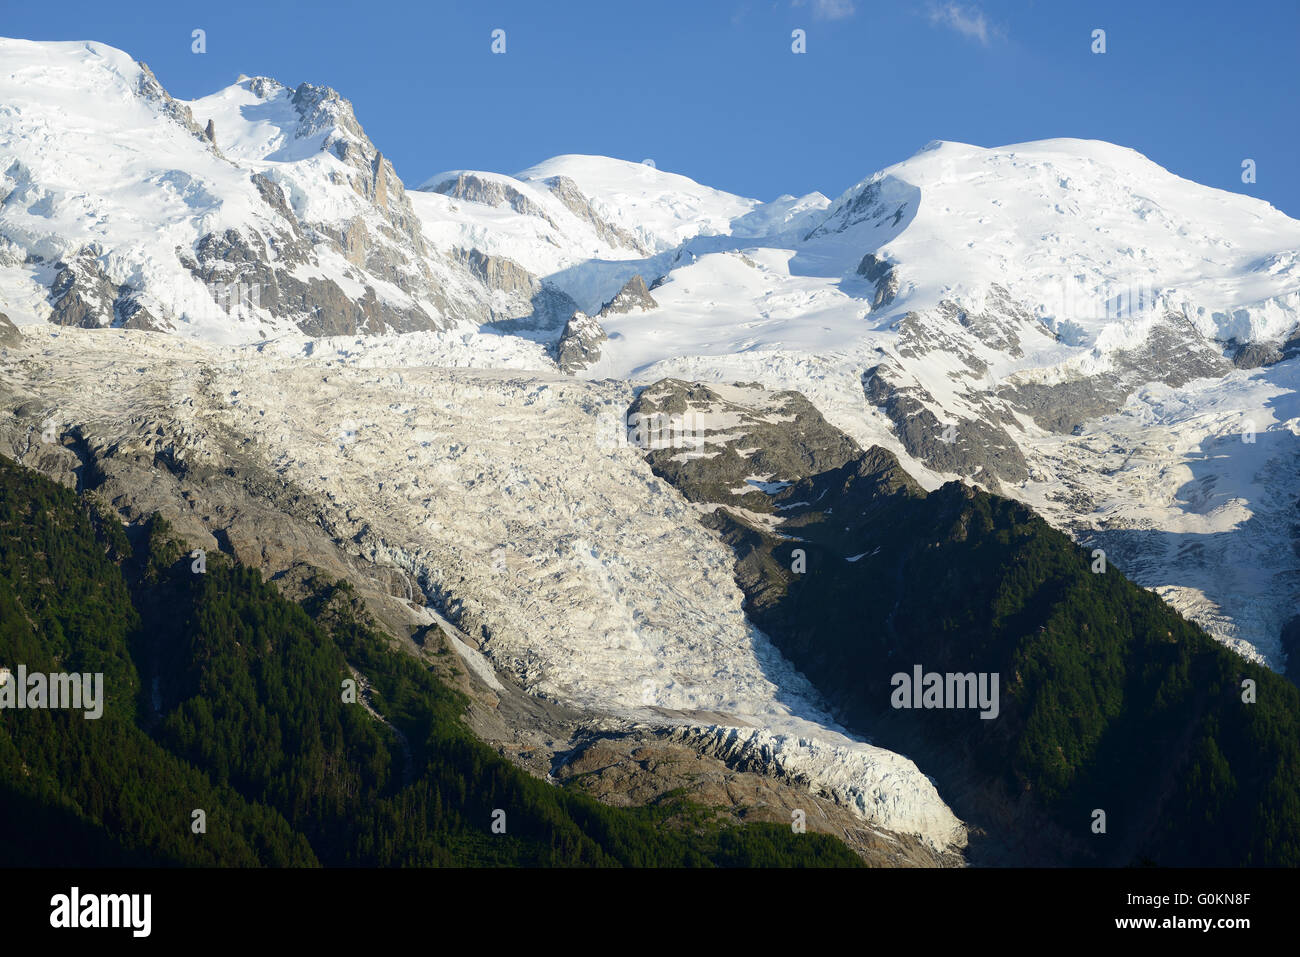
(711, 89)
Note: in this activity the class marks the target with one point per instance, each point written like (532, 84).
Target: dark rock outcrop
(10, 335)
(885, 276)
(1252, 355)
(150, 89)
(980, 449)
(490, 192)
(779, 434)
(273, 195)
(533, 305)
(884, 201)
(1173, 353)
(579, 343)
(634, 296)
(83, 295)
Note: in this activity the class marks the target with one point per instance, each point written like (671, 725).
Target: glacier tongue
(509, 497)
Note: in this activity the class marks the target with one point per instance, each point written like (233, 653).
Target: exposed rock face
(982, 448)
(1173, 353)
(978, 448)
(1252, 355)
(999, 326)
(10, 335)
(529, 304)
(387, 245)
(552, 309)
(150, 89)
(579, 343)
(490, 192)
(883, 201)
(132, 314)
(82, 295)
(1291, 348)
(634, 296)
(242, 270)
(986, 448)
(749, 448)
(566, 190)
(884, 275)
(333, 247)
(760, 439)
(499, 273)
(273, 195)
(1002, 326)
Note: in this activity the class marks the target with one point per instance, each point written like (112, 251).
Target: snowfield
(665, 209)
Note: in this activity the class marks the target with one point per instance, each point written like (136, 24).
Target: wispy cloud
(968, 20)
(828, 9)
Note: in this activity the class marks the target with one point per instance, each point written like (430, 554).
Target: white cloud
(968, 20)
(828, 9)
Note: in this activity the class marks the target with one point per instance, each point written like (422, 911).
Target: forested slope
(224, 696)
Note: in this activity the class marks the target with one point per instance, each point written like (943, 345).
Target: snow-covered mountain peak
(546, 226)
(494, 190)
(259, 118)
(72, 66)
(664, 209)
(1066, 226)
(129, 207)
(786, 213)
